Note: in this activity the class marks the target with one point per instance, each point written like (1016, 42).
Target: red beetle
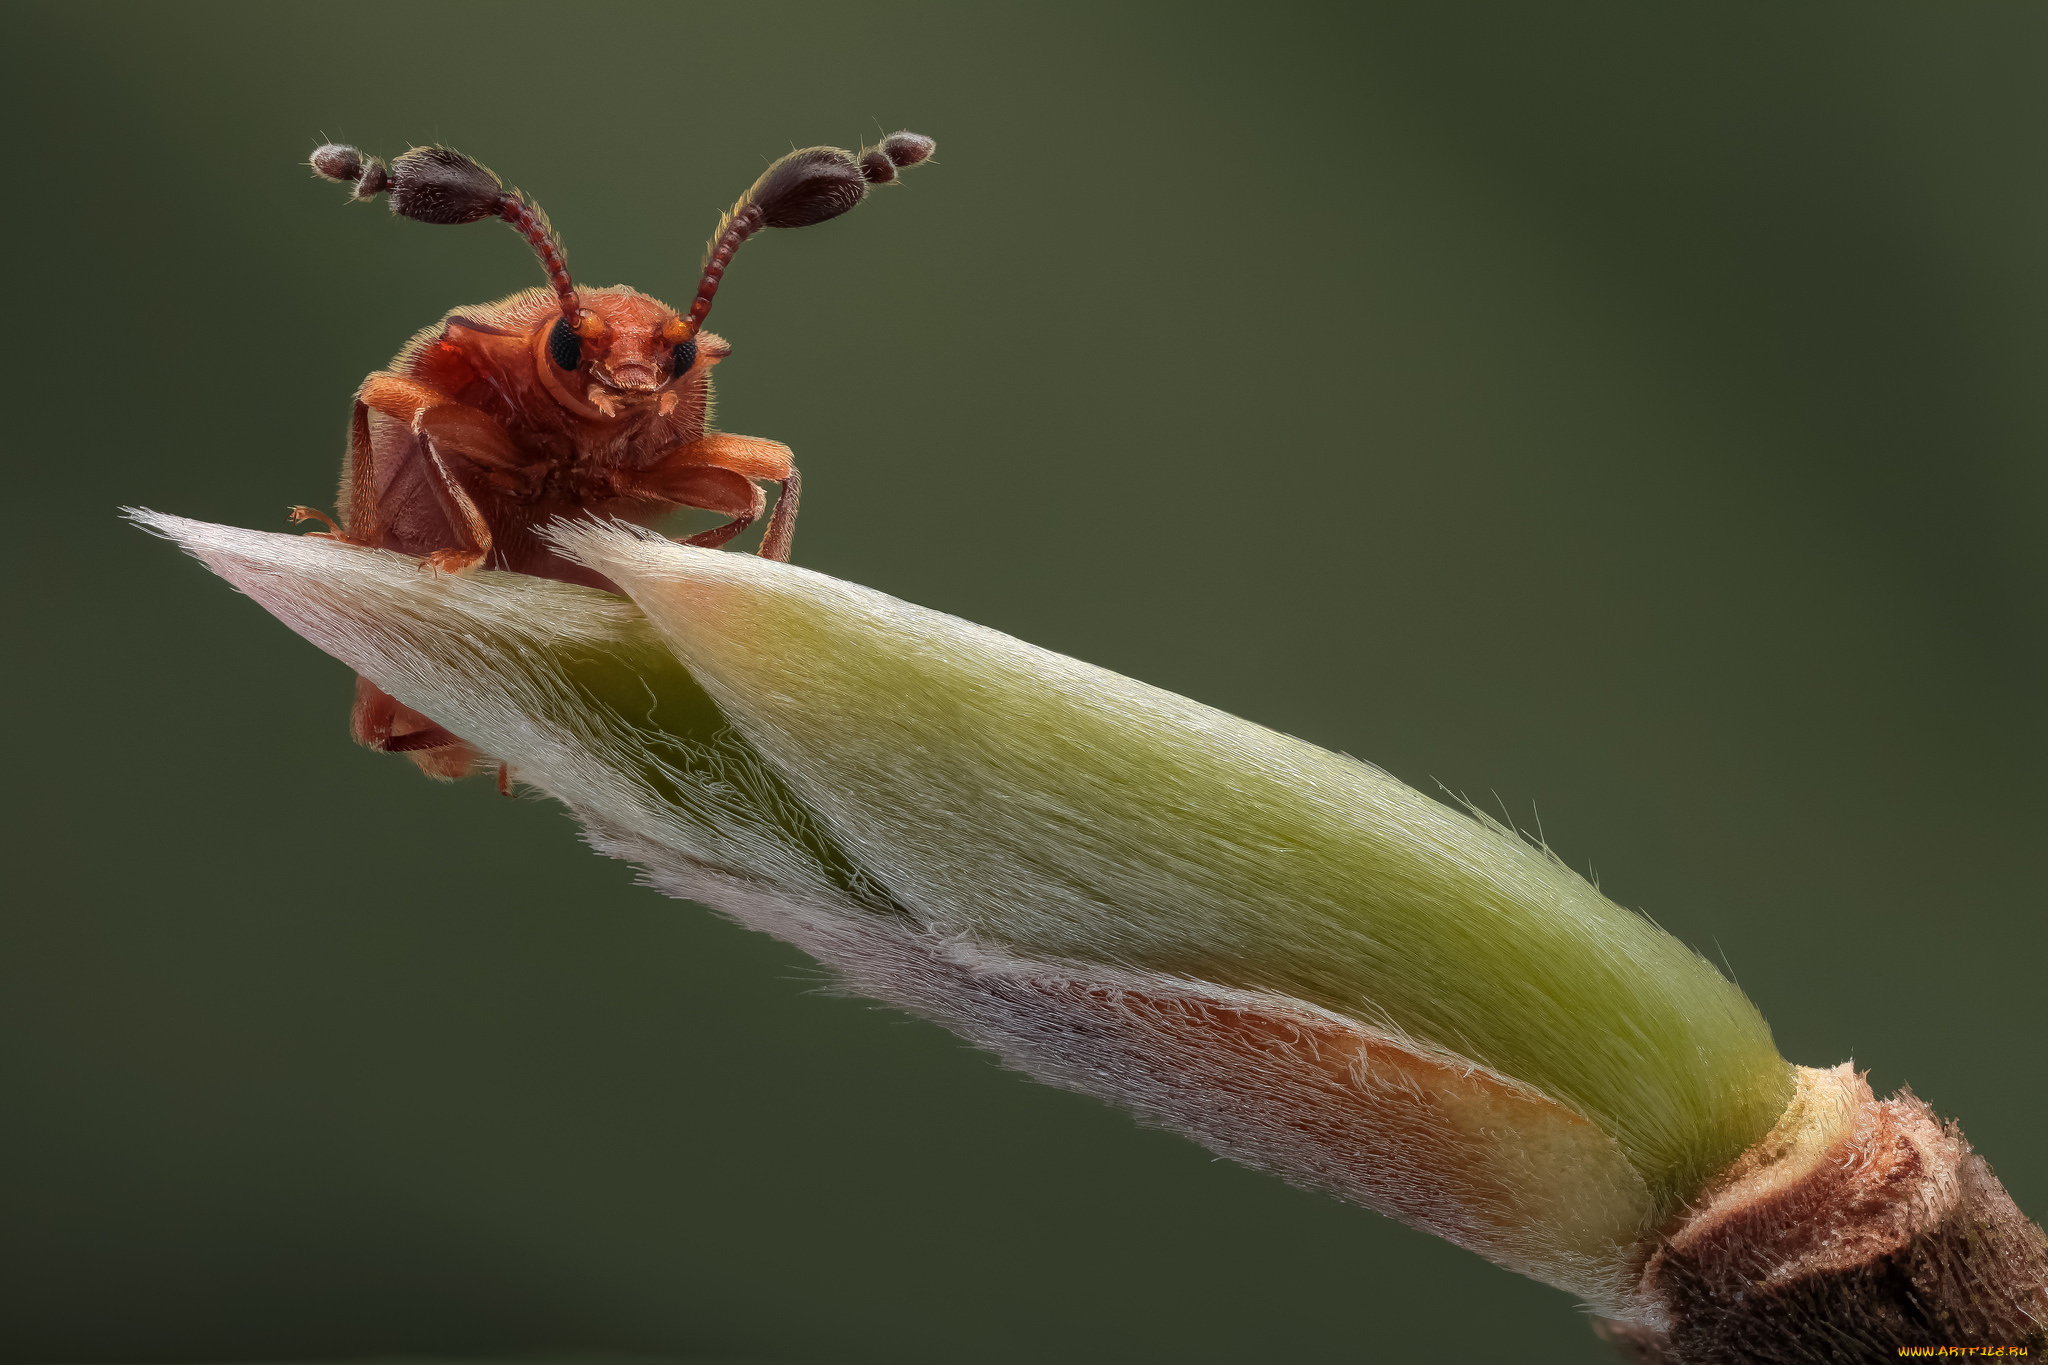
(557, 402)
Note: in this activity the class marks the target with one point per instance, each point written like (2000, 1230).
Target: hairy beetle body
(557, 403)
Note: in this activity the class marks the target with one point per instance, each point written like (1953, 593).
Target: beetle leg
(781, 530)
(749, 455)
(430, 736)
(333, 531)
(442, 427)
(460, 508)
(690, 474)
(721, 490)
(757, 459)
(686, 483)
(360, 508)
(436, 751)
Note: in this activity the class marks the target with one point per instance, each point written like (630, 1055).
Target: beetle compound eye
(565, 348)
(685, 357)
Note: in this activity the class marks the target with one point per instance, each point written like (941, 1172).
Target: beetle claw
(333, 531)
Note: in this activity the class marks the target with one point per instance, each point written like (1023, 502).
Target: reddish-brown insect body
(557, 402)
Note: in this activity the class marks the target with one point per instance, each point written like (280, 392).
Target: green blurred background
(1632, 414)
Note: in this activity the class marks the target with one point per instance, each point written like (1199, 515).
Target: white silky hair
(1112, 888)
(1012, 795)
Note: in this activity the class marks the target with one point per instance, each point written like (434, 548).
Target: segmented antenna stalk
(441, 185)
(737, 227)
(529, 222)
(807, 186)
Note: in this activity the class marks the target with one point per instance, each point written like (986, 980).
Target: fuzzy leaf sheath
(1276, 950)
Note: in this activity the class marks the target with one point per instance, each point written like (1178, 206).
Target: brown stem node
(1856, 1227)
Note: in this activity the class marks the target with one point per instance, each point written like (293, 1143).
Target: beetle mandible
(557, 402)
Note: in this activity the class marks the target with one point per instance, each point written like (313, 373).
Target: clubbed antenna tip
(339, 162)
(806, 187)
(441, 185)
(880, 164)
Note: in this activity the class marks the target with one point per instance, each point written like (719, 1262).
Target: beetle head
(621, 355)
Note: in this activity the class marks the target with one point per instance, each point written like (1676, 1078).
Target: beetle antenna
(441, 185)
(805, 187)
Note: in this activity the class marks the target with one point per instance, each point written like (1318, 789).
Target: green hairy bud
(1280, 951)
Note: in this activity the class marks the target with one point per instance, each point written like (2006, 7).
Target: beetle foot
(333, 531)
(453, 561)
